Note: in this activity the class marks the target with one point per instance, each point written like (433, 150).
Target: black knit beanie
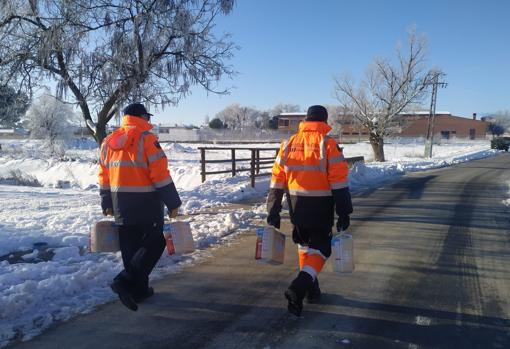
(136, 109)
(317, 113)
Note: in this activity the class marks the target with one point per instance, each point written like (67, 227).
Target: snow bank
(366, 175)
(81, 169)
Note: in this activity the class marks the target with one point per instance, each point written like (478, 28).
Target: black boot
(121, 289)
(314, 295)
(297, 291)
(139, 298)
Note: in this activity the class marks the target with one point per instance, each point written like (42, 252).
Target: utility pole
(432, 114)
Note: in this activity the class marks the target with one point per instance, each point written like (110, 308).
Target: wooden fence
(256, 162)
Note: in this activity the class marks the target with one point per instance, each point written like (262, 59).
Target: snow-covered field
(35, 293)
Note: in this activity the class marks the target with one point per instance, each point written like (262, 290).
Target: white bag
(178, 237)
(104, 237)
(342, 253)
(270, 245)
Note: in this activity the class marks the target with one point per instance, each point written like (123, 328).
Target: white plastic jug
(104, 237)
(270, 245)
(342, 253)
(178, 237)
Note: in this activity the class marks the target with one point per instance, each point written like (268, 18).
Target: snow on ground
(37, 293)
(37, 290)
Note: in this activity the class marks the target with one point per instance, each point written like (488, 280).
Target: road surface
(432, 258)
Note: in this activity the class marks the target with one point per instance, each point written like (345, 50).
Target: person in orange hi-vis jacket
(312, 171)
(135, 184)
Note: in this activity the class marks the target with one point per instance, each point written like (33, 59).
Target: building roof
(291, 116)
(297, 114)
(441, 115)
(425, 113)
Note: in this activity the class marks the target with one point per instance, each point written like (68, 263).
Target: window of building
(283, 122)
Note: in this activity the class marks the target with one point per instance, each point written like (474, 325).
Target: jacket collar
(317, 126)
(135, 121)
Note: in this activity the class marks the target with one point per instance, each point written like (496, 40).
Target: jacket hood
(128, 133)
(135, 121)
(317, 126)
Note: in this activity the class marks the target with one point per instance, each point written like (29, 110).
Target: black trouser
(316, 238)
(141, 247)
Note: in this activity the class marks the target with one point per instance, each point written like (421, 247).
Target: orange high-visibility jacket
(312, 170)
(134, 178)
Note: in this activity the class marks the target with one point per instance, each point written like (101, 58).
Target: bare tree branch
(109, 52)
(386, 91)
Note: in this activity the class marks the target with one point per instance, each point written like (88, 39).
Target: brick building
(446, 126)
(412, 125)
(288, 122)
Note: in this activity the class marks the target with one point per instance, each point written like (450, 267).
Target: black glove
(274, 220)
(343, 223)
(274, 207)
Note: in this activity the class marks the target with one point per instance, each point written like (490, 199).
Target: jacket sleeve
(338, 177)
(104, 180)
(276, 189)
(159, 173)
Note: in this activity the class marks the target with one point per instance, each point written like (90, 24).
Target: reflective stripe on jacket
(133, 174)
(309, 167)
(310, 162)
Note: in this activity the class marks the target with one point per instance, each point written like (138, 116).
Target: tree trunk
(377, 143)
(101, 132)
(104, 116)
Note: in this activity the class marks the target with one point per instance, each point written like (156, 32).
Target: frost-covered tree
(263, 120)
(284, 108)
(52, 121)
(238, 117)
(389, 87)
(12, 106)
(105, 53)
(335, 118)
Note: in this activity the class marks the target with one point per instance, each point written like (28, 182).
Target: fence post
(202, 163)
(252, 168)
(233, 152)
(258, 161)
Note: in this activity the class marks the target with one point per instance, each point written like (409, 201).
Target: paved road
(432, 271)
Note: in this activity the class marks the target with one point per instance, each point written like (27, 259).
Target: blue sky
(290, 50)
